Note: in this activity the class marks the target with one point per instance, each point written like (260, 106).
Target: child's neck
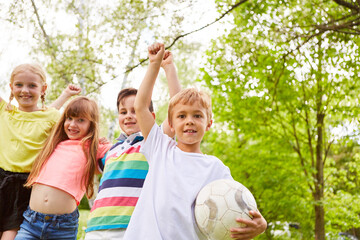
(29, 108)
(190, 148)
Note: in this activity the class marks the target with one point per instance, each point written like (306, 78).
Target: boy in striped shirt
(124, 168)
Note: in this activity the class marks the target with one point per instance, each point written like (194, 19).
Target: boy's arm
(143, 96)
(254, 227)
(173, 83)
(70, 91)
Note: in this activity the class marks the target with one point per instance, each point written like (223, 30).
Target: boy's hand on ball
(253, 227)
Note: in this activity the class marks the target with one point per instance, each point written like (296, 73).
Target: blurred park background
(283, 76)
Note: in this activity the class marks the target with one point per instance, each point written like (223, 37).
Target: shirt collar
(124, 136)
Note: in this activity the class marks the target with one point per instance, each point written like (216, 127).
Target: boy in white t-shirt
(177, 170)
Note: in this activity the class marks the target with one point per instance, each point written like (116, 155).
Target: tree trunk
(319, 165)
(319, 182)
(319, 217)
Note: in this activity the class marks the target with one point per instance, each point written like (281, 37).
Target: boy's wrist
(155, 64)
(168, 67)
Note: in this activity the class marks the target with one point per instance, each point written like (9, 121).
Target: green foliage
(278, 81)
(270, 172)
(84, 204)
(101, 42)
(284, 76)
(82, 223)
(343, 178)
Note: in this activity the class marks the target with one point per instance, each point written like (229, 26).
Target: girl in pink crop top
(63, 172)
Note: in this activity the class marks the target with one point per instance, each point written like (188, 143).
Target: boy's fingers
(246, 221)
(167, 54)
(159, 45)
(254, 213)
(152, 48)
(155, 48)
(160, 51)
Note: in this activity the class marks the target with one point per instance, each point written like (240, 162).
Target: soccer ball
(217, 206)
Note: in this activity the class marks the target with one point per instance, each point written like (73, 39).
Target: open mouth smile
(190, 131)
(25, 97)
(73, 132)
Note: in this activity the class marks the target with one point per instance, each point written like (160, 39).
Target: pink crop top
(65, 167)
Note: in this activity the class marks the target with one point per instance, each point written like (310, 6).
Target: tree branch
(298, 151)
(347, 5)
(191, 32)
(41, 25)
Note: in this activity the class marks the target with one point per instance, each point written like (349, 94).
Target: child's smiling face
(190, 122)
(76, 128)
(27, 88)
(127, 116)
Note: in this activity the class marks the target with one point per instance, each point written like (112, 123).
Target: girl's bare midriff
(50, 200)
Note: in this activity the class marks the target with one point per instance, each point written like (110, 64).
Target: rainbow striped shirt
(124, 172)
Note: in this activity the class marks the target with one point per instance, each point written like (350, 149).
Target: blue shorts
(48, 226)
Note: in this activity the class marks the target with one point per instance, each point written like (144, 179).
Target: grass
(82, 223)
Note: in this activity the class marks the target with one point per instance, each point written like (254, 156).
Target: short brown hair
(190, 96)
(129, 92)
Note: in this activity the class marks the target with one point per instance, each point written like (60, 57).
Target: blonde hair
(34, 68)
(78, 107)
(190, 96)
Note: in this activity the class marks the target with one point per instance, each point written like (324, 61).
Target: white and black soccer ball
(217, 206)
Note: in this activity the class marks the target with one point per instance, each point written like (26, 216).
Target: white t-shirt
(165, 209)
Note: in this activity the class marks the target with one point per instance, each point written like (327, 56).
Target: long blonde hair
(34, 68)
(78, 107)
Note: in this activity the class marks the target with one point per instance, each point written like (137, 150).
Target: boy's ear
(171, 128)
(153, 114)
(209, 125)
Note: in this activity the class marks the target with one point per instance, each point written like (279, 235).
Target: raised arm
(173, 83)
(143, 97)
(70, 91)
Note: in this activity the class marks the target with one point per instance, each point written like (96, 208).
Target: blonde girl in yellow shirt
(24, 130)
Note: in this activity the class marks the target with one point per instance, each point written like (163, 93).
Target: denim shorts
(48, 226)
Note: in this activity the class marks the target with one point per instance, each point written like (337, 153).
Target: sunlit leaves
(282, 73)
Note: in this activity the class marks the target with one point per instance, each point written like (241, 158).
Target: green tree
(280, 77)
(100, 42)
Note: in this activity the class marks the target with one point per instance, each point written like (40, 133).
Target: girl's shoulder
(47, 115)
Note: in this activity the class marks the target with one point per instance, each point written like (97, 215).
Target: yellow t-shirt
(22, 135)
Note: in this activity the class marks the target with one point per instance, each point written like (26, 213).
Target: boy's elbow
(137, 106)
(140, 104)
(140, 109)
